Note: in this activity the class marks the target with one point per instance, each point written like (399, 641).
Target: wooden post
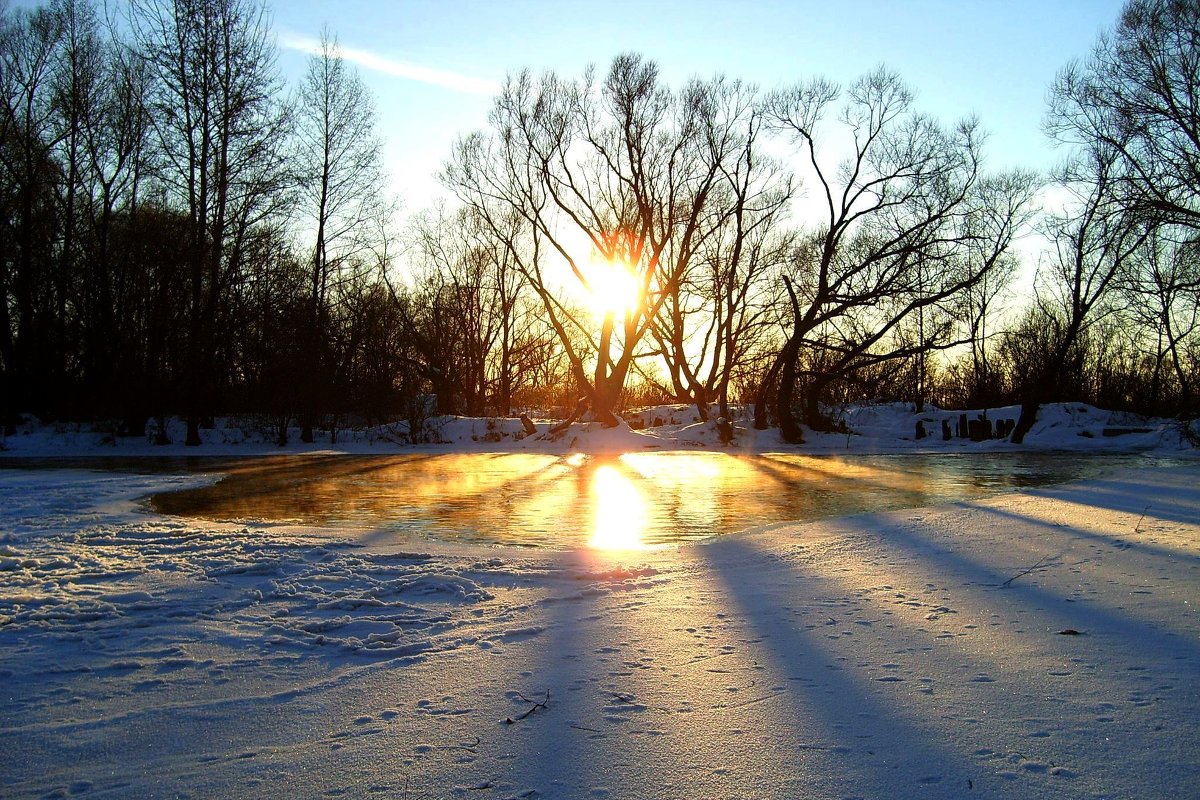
(724, 430)
(527, 424)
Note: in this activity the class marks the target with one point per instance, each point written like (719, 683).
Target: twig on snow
(1040, 562)
(470, 747)
(751, 702)
(536, 705)
(1138, 528)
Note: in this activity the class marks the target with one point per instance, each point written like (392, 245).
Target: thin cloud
(387, 66)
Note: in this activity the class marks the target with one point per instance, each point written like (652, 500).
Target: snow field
(921, 653)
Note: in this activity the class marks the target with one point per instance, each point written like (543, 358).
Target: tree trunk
(602, 409)
(134, 424)
(1029, 410)
(762, 397)
(580, 408)
(1052, 375)
(812, 409)
(193, 430)
(160, 431)
(789, 428)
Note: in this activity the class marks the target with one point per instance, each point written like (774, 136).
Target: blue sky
(432, 65)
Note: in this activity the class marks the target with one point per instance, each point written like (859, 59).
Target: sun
(613, 288)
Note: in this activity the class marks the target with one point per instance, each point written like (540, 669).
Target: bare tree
(978, 317)
(100, 128)
(1138, 96)
(1162, 298)
(720, 305)
(1094, 242)
(219, 129)
(340, 174)
(610, 179)
(473, 321)
(1133, 109)
(28, 179)
(116, 134)
(77, 81)
(900, 212)
(1007, 209)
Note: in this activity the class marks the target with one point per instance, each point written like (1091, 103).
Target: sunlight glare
(613, 288)
(679, 469)
(619, 511)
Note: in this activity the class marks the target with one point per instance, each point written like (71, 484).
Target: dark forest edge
(183, 234)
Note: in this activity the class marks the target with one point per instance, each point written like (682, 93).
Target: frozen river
(630, 501)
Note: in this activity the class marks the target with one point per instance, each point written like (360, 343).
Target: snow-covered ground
(887, 428)
(1034, 645)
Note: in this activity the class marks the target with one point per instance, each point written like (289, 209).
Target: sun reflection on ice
(618, 511)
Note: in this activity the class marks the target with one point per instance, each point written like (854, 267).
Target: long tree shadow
(556, 738)
(1123, 543)
(1140, 637)
(1135, 648)
(1128, 496)
(650, 699)
(848, 726)
(895, 558)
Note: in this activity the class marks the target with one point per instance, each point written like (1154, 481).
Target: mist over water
(629, 501)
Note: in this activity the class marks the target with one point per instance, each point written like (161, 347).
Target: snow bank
(885, 428)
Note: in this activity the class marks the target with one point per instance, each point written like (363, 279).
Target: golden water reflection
(628, 502)
(618, 511)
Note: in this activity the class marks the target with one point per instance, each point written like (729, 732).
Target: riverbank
(878, 428)
(1032, 645)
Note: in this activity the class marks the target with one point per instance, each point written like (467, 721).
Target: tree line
(183, 233)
